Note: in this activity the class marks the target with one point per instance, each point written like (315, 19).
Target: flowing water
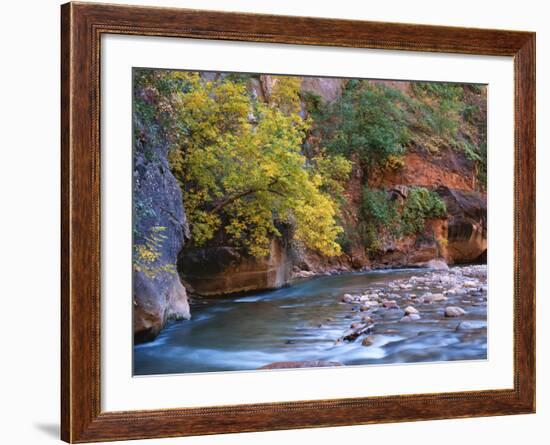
(304, 321)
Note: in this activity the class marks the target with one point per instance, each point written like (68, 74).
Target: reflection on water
(302, 322)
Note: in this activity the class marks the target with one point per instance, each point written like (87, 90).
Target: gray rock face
(160, 230)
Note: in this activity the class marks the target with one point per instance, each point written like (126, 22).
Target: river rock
(390, 304)
(368, 341)
(368, 306)
(366, 319)
(427, 298)
(454, 311)
(348, 298)
(433, 298)
(304, 274)
(410, 310)
(437, 265)
(409, 318)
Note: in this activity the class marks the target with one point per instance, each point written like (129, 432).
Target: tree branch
(225, 202)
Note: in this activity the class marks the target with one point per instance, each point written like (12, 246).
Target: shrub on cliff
(368, 120)
(377, 214)
(377, 123)
(441, 105)
(451, 115)
(421, 204)
(382, 217)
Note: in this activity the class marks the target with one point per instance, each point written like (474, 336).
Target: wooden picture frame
(82, 26)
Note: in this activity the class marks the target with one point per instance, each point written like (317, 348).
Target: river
(304, 321)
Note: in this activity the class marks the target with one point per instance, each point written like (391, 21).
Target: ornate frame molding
(82, 25)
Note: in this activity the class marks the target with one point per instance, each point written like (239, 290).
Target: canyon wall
(160, 230)
(223, 270)
(168, 266)
(458, 237)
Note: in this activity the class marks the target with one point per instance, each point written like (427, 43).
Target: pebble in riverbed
(409, 318)
(429, 289)
(454, 311)
(390, 304)
(429, 298)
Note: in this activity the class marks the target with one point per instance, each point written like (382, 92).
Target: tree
(240, 165)
(368, 121)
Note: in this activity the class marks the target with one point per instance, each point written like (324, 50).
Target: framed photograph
(274, 222)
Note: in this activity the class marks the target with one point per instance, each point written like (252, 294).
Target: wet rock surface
(410, 300)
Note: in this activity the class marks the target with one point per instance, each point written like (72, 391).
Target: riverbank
(298, 273)
(399, 316)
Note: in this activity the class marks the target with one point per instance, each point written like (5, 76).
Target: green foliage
(441, 105)
(344, 241)
(240, 166)
(442, 109)
(377, 209)
(470, 111)
(368, 120)
(248, 166)
(378, 214)
(440, 90)
(240, 77)
(476, 88)
(375, 124)
(421, 204)
(381, 216)
(472, 152)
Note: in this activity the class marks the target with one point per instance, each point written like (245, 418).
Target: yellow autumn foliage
(239, 162)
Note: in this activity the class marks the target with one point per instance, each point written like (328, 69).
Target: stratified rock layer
(223, 270)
